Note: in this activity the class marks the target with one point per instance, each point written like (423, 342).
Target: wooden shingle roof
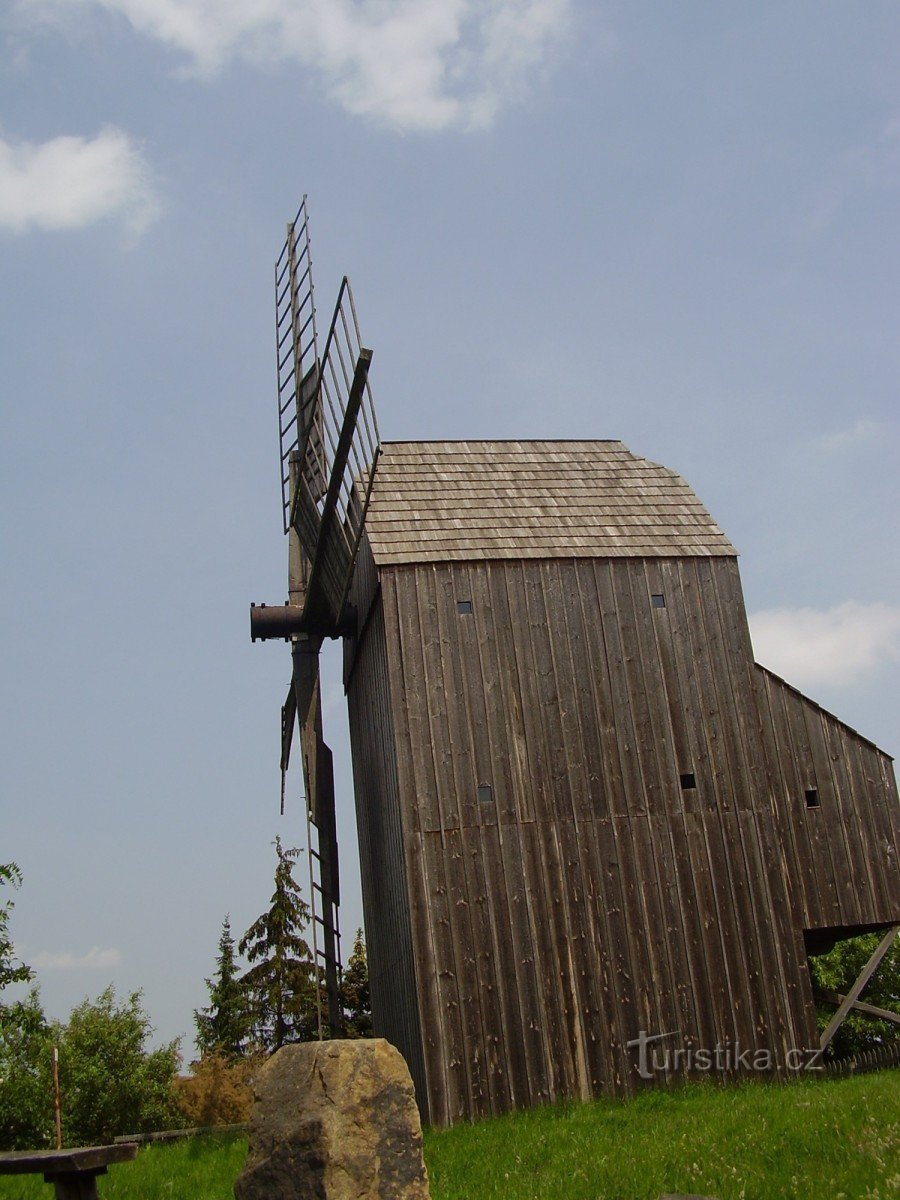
(438, 501)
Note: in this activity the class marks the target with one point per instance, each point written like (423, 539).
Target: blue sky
(675, 224)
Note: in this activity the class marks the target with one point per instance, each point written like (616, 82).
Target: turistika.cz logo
(655, 1057)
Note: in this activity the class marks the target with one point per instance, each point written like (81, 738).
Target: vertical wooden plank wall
(844, 851)
(590, 893)
(386, 900)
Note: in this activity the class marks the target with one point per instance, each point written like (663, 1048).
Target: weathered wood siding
(386, 901)
(842, 852)
(590, 894)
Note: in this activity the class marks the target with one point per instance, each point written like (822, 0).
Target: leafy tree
(224, 1026)
(281, 981)
(26, 1107)
(837, 970)
(11, 971)
(24, 1045)
(356, 1003)
(110, 1082)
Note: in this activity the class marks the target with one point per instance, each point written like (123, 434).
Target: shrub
(109, 1082)
(218, 1091)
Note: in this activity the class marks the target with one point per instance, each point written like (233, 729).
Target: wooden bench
(73, 1172)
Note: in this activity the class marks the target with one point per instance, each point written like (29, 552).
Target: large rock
(334, 1121)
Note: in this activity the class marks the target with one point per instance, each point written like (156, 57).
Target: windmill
(328, 448)
(585, 814)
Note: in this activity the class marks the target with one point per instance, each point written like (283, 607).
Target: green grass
(835, 1138)
(823, 1138)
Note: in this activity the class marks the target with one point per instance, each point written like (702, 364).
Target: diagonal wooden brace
(856, 991)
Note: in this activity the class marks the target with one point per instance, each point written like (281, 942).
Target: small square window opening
(812, 797)
(658, 600)
(688, 781)
(485, 793)
(464, 606)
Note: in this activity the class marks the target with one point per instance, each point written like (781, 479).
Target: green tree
(355, 997)
(280, 982)
(26, 1119)
(836, 972)
(11, 971)
(110, 1083)
(223, 1027)
(26, 1106)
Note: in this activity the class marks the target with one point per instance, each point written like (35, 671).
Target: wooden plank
(601, 1039)
(794, 833)
(570, 686)
(691, 667)
(529, 699)
(862, 894)
(529, 974)
(826, 908)
(447, 690)
(540, 665)
(868, 1010)
(477, 694)
(637, 688)
(542, 890)
(633, 795)
(465, 951)
(506, 967)
(566, 914)
(451, 990)
(606, 777)
(505, 622)
(420, 724)
(435, 1040)
(874, 835)
(715, 933)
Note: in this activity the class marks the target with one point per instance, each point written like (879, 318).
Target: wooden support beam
(856, 991)
(330, 536)
(829, 997)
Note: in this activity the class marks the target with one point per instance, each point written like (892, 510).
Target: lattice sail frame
(325, 416)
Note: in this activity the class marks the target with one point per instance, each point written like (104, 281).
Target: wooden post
(56, 1106)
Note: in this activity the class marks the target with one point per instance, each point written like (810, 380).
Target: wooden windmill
(585, 813)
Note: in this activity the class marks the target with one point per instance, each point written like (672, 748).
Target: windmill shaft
(275, 621)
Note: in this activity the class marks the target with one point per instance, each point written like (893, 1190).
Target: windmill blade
(288, 718)
(339, 528)
(307, 699)
(296, 346)
(318, 774)
(329, 466)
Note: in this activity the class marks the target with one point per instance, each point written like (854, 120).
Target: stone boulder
(334, 1121)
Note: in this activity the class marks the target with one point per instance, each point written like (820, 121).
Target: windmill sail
(328, 448)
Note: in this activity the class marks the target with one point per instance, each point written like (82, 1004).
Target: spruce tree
(224, 1025)
(355, 991)
(281, 982)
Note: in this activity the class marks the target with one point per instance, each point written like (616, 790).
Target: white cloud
(69, 182)
(95, 960)
(862, 431)
(837, 646)
(407, 64)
